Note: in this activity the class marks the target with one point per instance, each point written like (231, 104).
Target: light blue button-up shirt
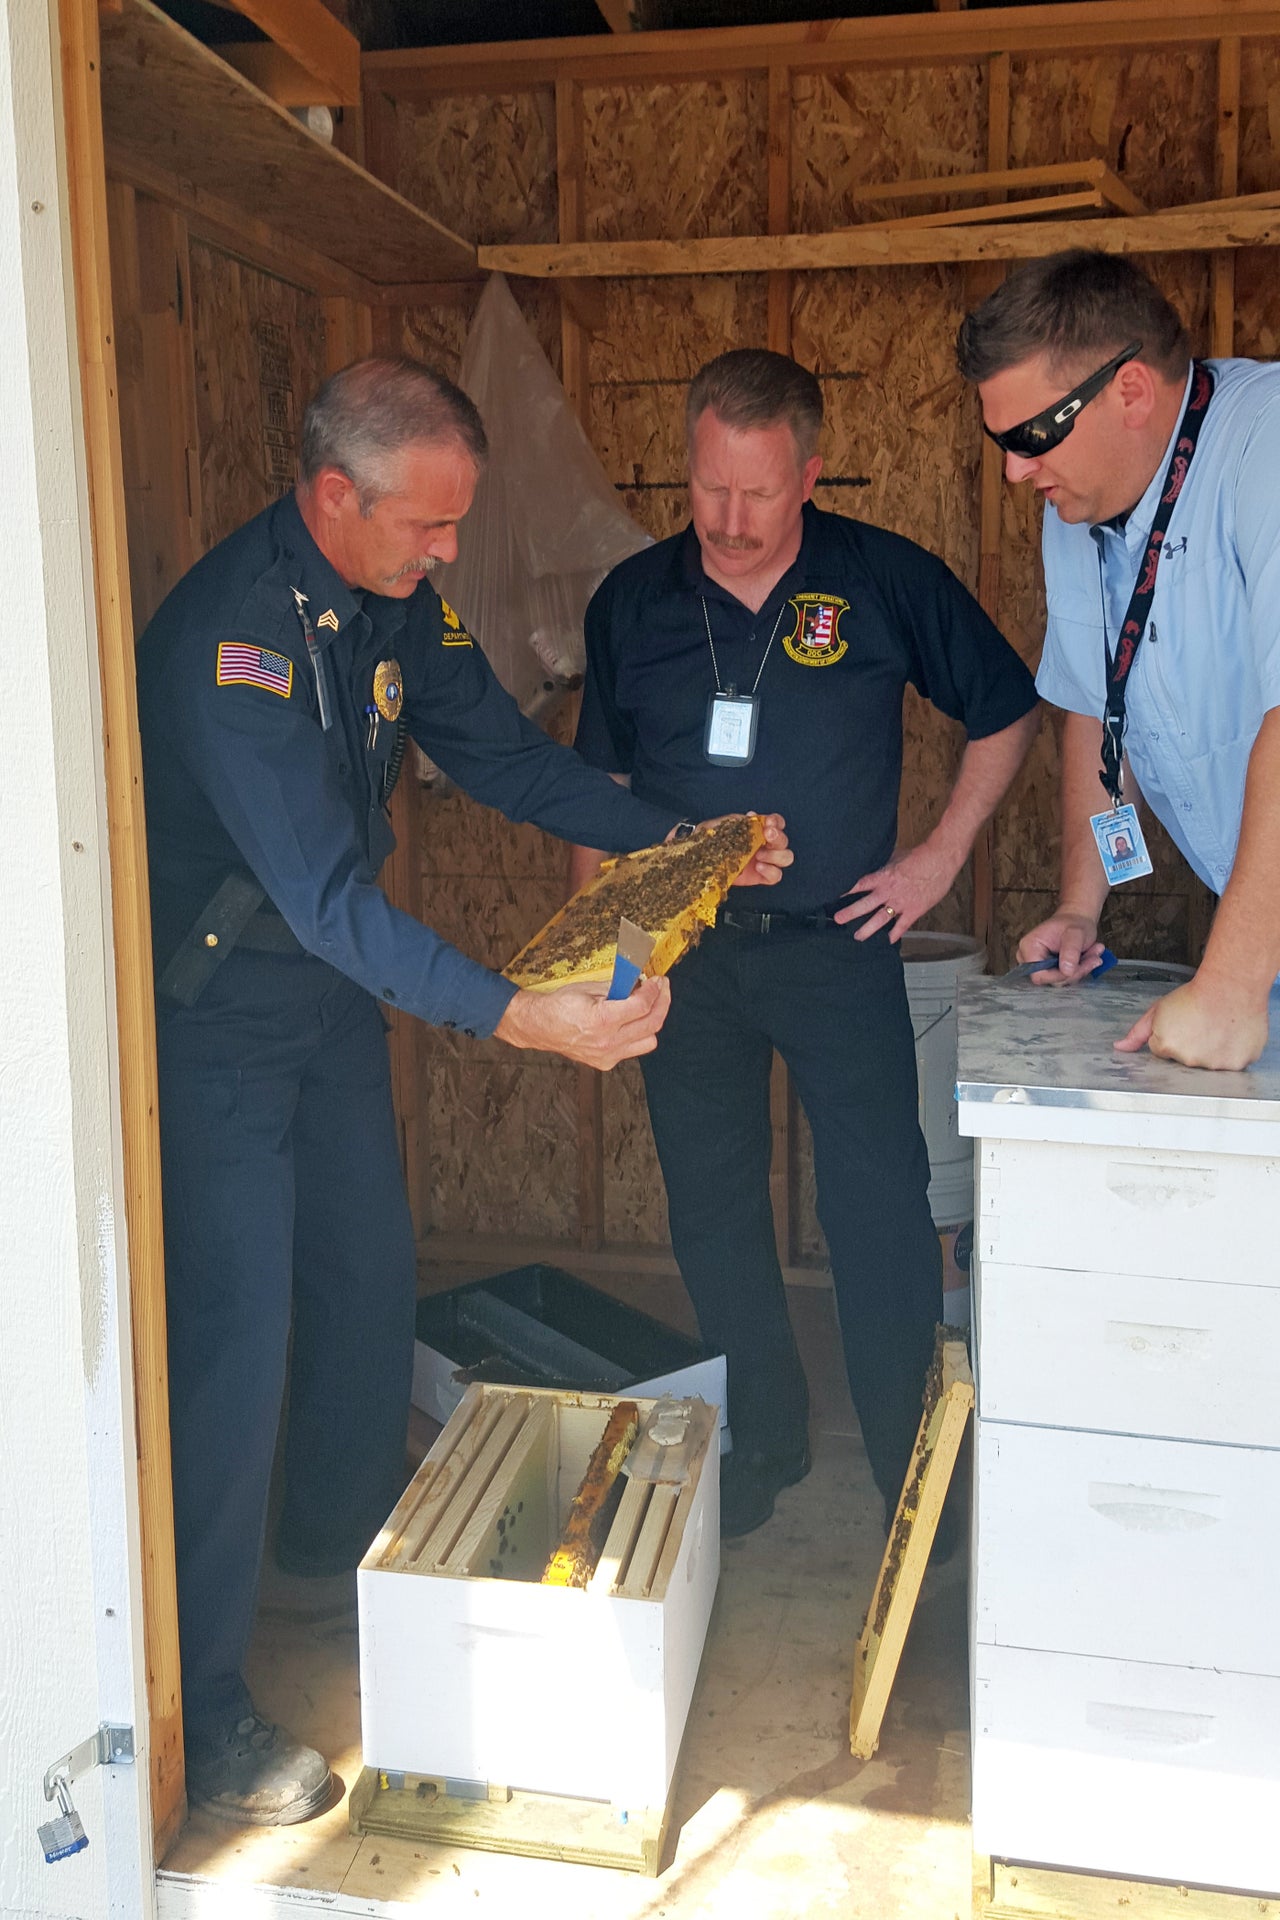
(1209, 667)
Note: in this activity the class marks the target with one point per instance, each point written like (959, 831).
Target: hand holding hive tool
(1029, 968)
(667, 894)
(635, 950)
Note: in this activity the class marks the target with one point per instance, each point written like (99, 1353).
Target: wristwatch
(683, 829)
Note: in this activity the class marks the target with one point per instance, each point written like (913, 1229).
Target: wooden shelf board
(170, 103)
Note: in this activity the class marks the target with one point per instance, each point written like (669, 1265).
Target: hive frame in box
(467, 1676)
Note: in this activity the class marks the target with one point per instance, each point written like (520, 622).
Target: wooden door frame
(131, 913)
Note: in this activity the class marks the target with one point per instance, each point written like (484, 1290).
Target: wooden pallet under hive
(485, 1682)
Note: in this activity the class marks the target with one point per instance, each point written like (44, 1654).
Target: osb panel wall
(259, 353)
(902, 445)
(858, 129)
(684, 160)
(485, 167)
(1152, 116)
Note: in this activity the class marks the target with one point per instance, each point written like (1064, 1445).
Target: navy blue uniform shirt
(859, 614)
(239, 773)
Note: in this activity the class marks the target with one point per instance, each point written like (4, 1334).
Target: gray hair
(752, 387)
(370, 411)
(1074, 306)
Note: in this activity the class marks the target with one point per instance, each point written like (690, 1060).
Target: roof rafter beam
(316, 60)
(812, 46)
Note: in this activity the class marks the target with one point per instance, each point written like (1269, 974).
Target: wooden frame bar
(1183, 230)
(1064, 173)
(1088, 197)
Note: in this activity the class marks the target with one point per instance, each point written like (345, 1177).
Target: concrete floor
(772, 1818)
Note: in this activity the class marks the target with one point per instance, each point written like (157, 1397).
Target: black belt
(741, 921)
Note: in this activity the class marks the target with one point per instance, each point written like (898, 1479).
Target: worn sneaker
(256, 1774)
(749, 1485)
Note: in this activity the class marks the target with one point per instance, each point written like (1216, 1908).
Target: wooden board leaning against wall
(524, 1160)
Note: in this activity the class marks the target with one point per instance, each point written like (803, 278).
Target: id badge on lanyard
(1121, 845)
(729, 739)
(733, 718)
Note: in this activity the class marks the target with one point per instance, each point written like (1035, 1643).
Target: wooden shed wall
(516, 1155)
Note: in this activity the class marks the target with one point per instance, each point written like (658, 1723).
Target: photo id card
(730, 737)
(1121, 845)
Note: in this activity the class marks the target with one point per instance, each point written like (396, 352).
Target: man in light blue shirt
(1084, 371)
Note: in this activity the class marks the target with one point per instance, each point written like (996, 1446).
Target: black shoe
(749, 1485)
(254, 1773)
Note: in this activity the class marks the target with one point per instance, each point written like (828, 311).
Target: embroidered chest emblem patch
(815, 639)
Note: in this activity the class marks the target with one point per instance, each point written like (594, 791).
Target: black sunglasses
(1044, 431)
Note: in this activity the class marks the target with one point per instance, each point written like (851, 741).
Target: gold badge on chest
(388, 690)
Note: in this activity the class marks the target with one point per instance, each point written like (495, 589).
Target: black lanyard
(1120, 666)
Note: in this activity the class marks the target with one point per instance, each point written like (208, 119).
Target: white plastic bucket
(935, 964)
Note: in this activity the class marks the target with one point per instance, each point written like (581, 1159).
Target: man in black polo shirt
(758, 661)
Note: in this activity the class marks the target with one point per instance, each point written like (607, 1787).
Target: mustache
(427, 564)
(734, 542)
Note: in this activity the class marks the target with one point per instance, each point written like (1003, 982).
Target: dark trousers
(284, 1204)
(836, 1010)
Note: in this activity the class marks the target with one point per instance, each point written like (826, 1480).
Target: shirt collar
(331, 604)
(1136, 528)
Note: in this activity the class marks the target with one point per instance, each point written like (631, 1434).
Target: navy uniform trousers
(836, 1010)
(284, 1207)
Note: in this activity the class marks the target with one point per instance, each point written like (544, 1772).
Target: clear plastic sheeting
(545, 526)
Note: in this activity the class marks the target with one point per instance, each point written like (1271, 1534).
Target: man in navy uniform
(759, 659)
(277, 685)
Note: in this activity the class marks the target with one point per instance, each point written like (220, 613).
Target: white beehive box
(472, 1669)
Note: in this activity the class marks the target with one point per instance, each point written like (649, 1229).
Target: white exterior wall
(70, 1652)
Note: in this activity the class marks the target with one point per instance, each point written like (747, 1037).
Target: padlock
(64, 1835)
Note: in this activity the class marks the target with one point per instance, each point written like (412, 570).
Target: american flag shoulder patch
(240, 665)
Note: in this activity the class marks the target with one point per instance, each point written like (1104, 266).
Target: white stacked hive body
(1126, 1666)
(472, 1669)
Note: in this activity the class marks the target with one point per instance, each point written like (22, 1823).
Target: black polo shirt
(859, 615)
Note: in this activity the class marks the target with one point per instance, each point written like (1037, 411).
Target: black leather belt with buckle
(741, 921)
